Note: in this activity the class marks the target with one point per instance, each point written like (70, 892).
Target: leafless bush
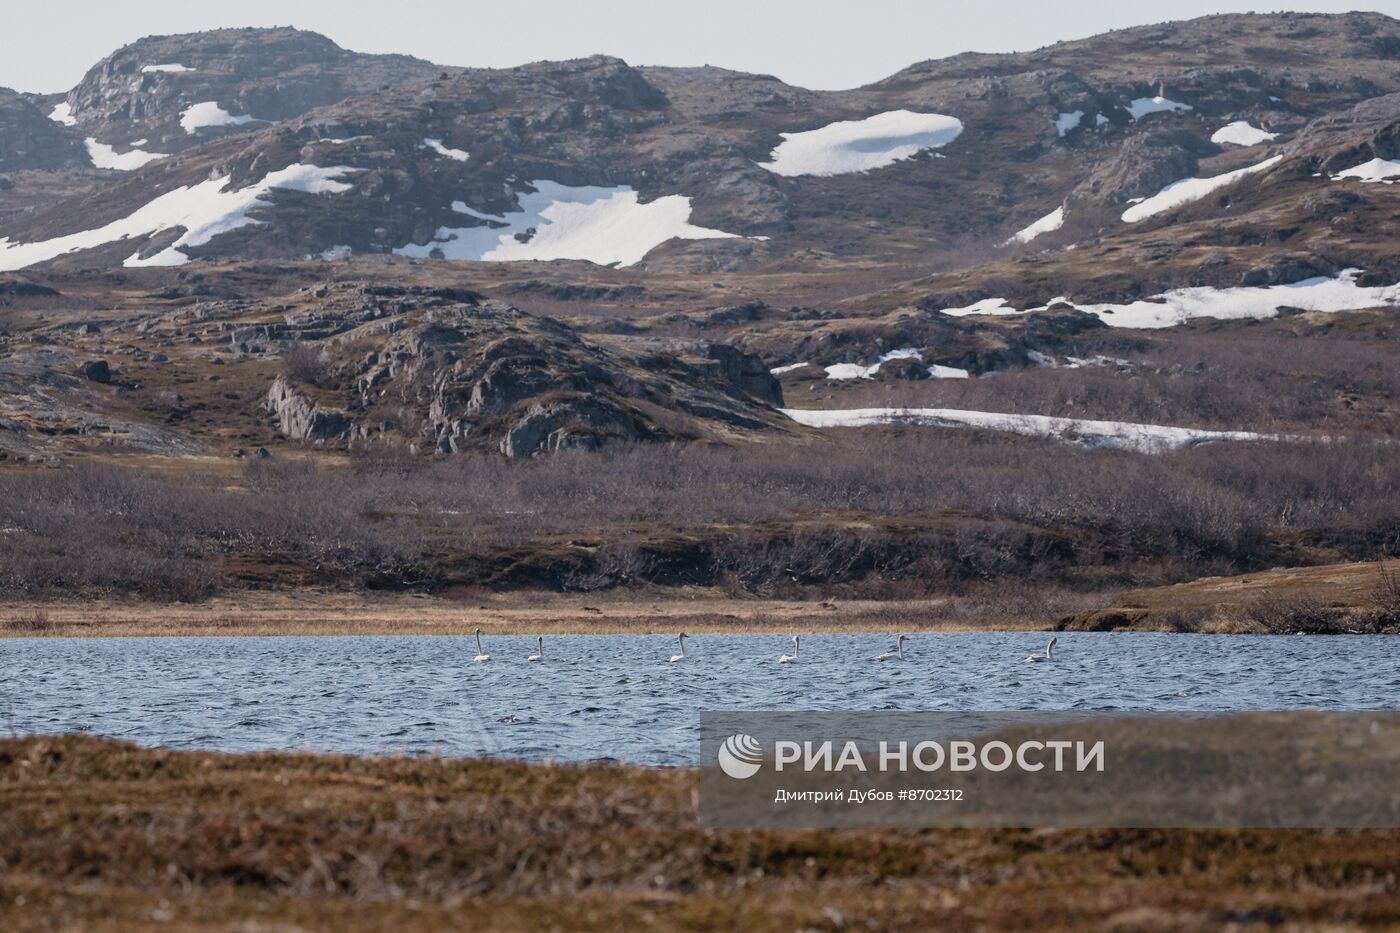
(1386, 598)
(902, 514)
(36, 623)
(1294, 615)
(305, 365)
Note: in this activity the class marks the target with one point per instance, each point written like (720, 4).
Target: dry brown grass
(102, 835)
(1330, 599)
(700, 610)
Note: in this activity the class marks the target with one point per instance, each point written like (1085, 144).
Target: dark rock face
(422, 369)
(97, 371)
(1144, 165)
(30, 140)
(746, 371)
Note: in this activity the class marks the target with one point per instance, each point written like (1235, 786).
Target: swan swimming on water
(681, 656)
(1049, 654)
(891, 655)
(480, 655)
(789, 658)
(539, 654)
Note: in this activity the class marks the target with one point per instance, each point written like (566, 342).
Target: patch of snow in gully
(1372, 171)
(1123, 435)
(1143, 106)
(170, 68)
(856, 371)
(1188, 190)
(992, 307)
(1241, 133)
(458, 155)
(791, 367)
(1047, 224)
(861, 145)
(593, 223)
(104, 156)
(1068, 121)
(204, 211)
(63, 113)
(210, 114)
(1242, 302)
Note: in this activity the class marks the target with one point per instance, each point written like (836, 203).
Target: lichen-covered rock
(303, 420)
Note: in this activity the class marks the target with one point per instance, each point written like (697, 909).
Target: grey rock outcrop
(303, 420)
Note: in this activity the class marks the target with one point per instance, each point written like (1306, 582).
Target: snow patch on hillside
(104, 156)
(170, 68)
(1243, 302)
(1376, 170)
(856, 371)
(209, 114)
(1241, 133)
(1047, 224)
(992, 307)
(63, 113)
(1188, 190)
(1143, 106)
(437, 146)
(1068, 121)
(593, 223)
(861, 145)
(203, 211)
(1122, 435)
(791, 367)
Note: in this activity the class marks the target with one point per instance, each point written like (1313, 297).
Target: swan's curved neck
(478, 643)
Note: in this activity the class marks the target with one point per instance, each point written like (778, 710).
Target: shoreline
(283, 614)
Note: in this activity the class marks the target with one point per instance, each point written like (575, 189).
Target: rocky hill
(30, 140)
(964, 216)
(279, 143)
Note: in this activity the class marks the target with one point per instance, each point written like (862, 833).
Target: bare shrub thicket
(920, 511)
(1293, 615)
(1266, 382)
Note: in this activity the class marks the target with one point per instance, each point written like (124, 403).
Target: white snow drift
(597, 224)
(209, 114)
(1047, 224)
(1241, 133)
(169, 68)
(203, 211)
(1068, 121)
(857, 371)
(861, 145)
(1372, 171)
(990, 307)
(437, 146)
(104, 156)
(791, 367)
(1144, 106)
(1123, 435)
(1243, 302)
(63, 113)
(1190, 189)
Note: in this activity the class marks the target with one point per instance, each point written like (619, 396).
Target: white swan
(539, 654)
(1049, 654)
(480, 655)
(898, 651)
(681, 656)
(789, 658)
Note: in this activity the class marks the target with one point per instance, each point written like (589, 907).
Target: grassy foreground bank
(98, 834)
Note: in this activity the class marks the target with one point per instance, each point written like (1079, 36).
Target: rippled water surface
(615, 696)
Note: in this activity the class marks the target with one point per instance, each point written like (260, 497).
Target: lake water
(615, 696)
